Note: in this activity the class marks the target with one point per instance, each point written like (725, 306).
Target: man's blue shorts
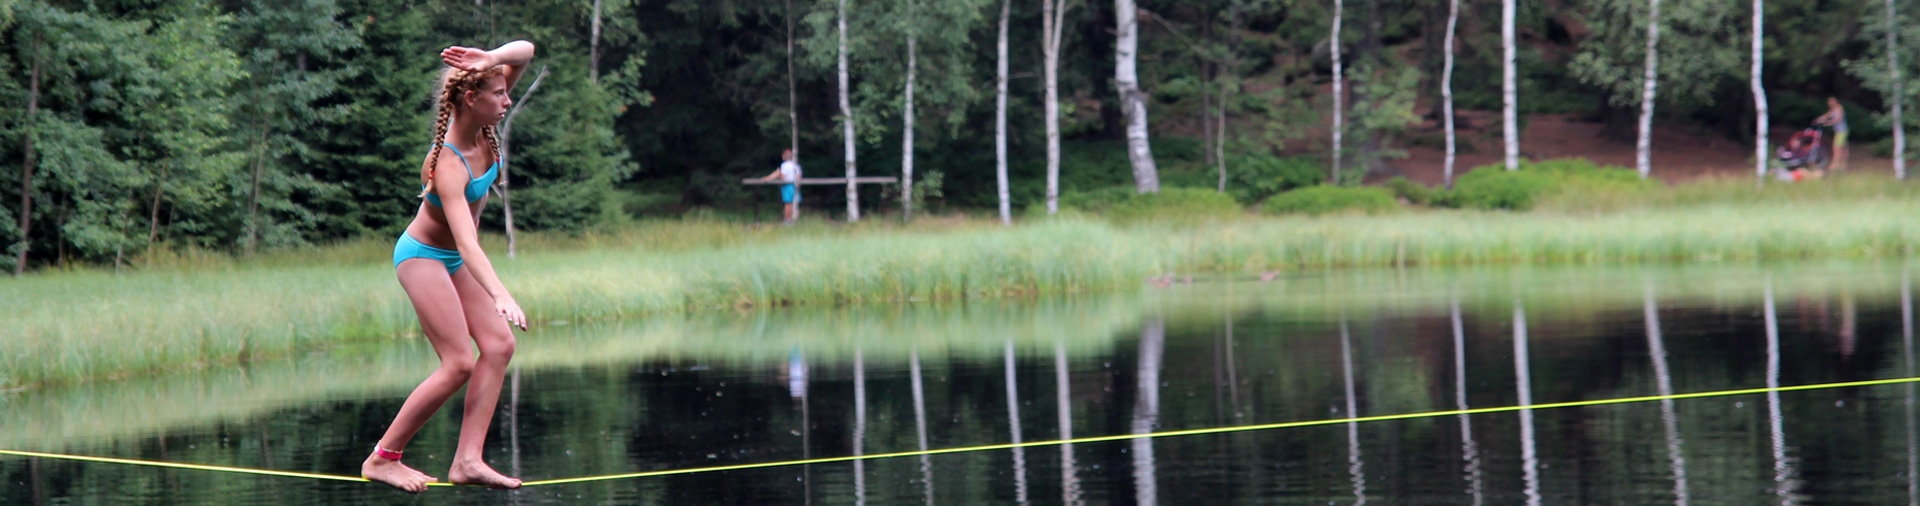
(789, 194)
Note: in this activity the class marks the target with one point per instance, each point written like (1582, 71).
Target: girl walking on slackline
(460, 301)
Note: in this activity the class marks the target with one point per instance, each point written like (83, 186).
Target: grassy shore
(184, 310)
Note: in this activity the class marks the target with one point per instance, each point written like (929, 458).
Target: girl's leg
(495, 340)
(438, 305)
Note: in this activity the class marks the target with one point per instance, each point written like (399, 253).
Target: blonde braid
(447, 86)
(493, 143)
(433, 157)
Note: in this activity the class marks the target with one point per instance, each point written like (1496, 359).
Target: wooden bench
(818, 181)
(826, 180)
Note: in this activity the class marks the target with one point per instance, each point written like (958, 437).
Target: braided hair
(452, 84)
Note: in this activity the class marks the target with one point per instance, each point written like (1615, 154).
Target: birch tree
(1053, 14)
(793, 95)
(846, 115)
(593, 46)
(906, 142)
(1000, 120)
(1510, 107)
(1339, 91)
(1446, 92)
(1898, 96)
(1668, 54)
(1126, 79)
(1643, 147)
(1759, 94)
(1884, 76)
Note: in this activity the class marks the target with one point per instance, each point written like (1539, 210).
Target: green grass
(185, 310)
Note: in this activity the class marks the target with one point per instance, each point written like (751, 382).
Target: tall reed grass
(187, 310)
(1087, 326)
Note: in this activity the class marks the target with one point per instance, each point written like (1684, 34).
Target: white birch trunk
(1339, 92)
(1000, 120)
(1126, 78)
(1643, 148)
(1759, 95)
(906, 141)
(1899, 97)
(846, 115)
(1053, 14)
(793, 96)
(1509, 92)
(1446, 93)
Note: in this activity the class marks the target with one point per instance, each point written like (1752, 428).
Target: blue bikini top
(477, 187)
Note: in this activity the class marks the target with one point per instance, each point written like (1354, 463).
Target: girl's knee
(457, 368)
(497, 348)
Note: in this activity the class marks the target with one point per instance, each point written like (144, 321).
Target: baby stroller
(1804, 154)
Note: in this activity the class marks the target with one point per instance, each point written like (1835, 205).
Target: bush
(1122, 203)
(1332, 199)
(1084, 166)
(1492, 187)
(1420, 194)
(1254, 177)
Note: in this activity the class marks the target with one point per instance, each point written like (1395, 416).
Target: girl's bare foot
(475, 472)
(392, 472)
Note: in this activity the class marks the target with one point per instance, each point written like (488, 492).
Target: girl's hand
(510, 310)
(468, 59)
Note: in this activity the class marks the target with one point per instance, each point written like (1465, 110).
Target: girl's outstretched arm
(451, 187)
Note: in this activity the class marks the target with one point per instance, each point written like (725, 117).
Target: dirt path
(1679, 154)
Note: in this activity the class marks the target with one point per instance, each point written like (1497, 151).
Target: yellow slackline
(1006, 446)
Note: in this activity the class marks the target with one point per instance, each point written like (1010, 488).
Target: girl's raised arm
(515, 55)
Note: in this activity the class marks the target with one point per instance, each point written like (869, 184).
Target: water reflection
(737, 389)
(1469, 451)
(1146, 411)
(1069, 470)
(1784, 483)
(1906, 351)
(1013, 432)
(1355, 467)
(513, 426)
(1523, 382)
(1657, 350)
(797, 390)
(859, 427)
(920, 423)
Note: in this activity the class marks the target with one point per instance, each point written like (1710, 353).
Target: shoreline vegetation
(187, 309)
(1561, 297)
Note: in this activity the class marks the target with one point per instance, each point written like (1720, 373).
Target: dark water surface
(709, 390)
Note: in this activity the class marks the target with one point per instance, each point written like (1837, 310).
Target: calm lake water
(708, 390)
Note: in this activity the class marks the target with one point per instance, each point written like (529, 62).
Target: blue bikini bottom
(408, 247)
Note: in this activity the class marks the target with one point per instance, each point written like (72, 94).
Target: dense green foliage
(1122, 203)
(1490, 187)
(1325, 199)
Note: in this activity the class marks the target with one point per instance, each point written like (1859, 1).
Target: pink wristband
(385, 453)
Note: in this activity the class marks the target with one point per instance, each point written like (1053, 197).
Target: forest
(239, 126)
